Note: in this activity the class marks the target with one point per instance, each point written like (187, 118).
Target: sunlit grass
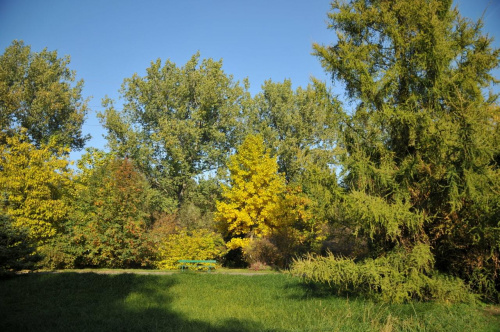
(212, 302)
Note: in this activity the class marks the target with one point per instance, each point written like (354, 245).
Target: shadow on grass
(96, 302)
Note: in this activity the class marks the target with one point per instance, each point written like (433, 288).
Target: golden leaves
(258, 203)
(32, 181)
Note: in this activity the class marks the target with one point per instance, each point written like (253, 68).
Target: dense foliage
(17, 252)
(259, 211)
(420, 143)
(398, 277)
(394, 194)
(109, 218)
(252, 201)
(199, 244)
(36, 93)
(177, 123)
(33, 183)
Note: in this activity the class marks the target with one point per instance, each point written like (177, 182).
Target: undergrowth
(398, 277)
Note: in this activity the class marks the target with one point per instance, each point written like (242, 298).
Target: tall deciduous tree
(110, 217)
(177, 122)
(300, 126)
(420, 145)
(36, 93)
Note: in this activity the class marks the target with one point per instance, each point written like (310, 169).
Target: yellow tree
(260, 214)
(32, 182)
(251, 201)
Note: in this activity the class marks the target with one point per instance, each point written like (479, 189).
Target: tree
(300, 126)
(258, 205)
(33, 184)
(251, 202)
(178, 122)
(36, 93)
(419, 162)
(110, 217)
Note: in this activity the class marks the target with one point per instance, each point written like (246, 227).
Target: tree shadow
(96, 302)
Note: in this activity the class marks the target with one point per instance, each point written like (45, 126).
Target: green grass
(212, 302)
(222, 270)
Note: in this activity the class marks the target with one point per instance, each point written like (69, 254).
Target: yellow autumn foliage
(32, 181)
(199, 244)
(251, 202)
(258, 203)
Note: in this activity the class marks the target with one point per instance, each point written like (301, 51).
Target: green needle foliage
(420, 145)
(398, 277)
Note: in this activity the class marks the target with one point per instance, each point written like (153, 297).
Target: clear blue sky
(110, 40)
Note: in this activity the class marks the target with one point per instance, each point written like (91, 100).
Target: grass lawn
(212, 302)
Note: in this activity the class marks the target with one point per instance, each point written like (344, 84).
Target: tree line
(393, 191)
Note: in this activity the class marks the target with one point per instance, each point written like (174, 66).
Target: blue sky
(111, 40)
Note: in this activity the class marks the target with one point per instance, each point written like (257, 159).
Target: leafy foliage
(33, 183)
(299, 126)
(177, 123)
(417, 150)
(109, 222)
(198, 244)
(252, 201)
(36, 94)
(259, 205)
(17, 252)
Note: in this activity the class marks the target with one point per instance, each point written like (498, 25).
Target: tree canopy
(258, 205)
(37, 93)
(33, 183)
(177, 122)
(251, 203)
(419, 145)
(398, 186)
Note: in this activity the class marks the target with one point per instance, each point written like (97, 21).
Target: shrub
(16, 251)
(261, 251)
(398, 277)
(259, 266)
(57, 253)
(200, 244)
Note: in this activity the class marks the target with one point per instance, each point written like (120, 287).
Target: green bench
(186, 263)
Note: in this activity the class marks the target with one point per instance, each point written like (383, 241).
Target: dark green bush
(16, 252)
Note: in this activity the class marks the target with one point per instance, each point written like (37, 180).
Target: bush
(261, 251)
(58, 253)
(16, 251)
(398, 277)
(200, 244)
